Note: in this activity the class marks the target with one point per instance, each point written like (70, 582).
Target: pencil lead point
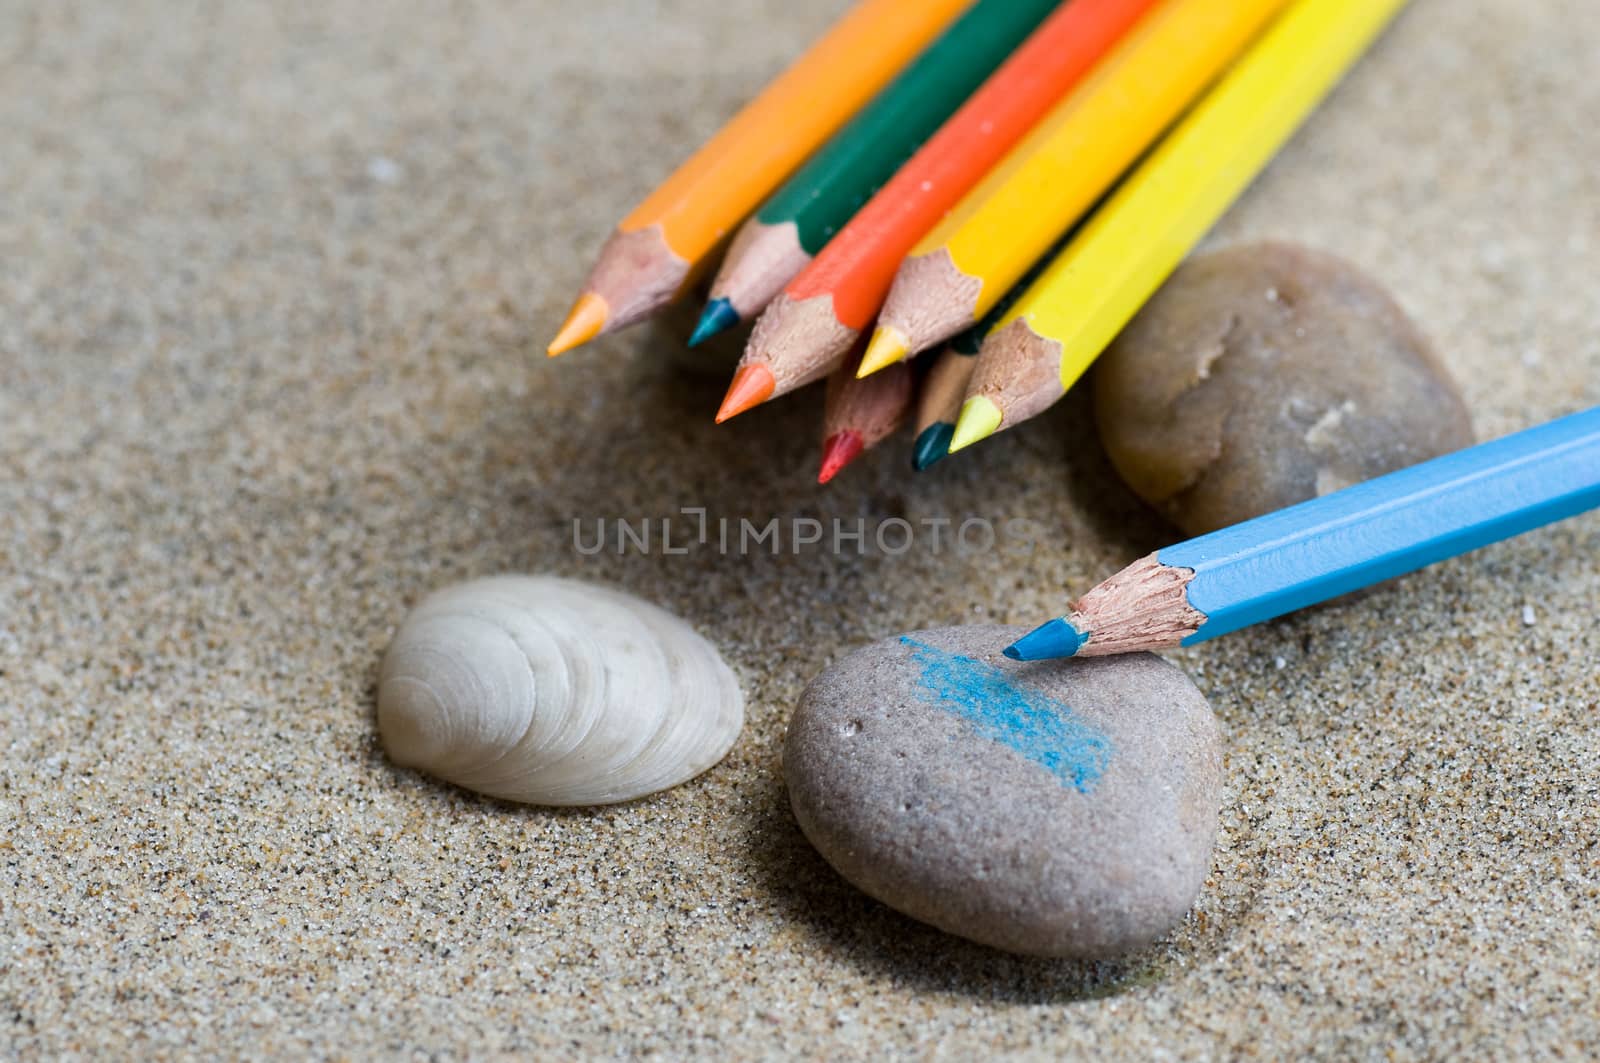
(1053, 638)
(718, 316)
(585, 321)
(839, 450)
(932, 444)
(752, 385)
(980, 418)
(887, 346)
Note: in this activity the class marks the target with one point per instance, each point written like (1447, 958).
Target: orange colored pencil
(856, 416)
(653, 252)
(811, 325)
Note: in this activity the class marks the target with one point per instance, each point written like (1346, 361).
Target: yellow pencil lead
(888, 346)
(584, 323)
(980, 418)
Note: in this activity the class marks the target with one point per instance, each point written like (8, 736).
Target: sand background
(274, 280)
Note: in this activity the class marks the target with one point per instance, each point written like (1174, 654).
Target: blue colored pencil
(1331, 545)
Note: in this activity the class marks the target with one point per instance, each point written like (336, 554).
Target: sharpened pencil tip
(1053, 638)
(718, 316)
(585, 321)
(752, 385)
(887, 346)
(980, 418)
(932, 444)
(839, 450)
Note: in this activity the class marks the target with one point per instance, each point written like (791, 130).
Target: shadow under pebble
(884, 945)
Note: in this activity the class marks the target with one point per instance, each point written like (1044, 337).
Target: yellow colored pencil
(1135, 241)
(962, 267)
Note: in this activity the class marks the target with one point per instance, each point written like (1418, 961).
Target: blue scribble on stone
(1039, 727)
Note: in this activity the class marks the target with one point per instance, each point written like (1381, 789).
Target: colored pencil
(1135, 241)
(959, 270)
(792, 226)
(859, 414)
(650, 257)
(812, 324)
(940, 399)
(1332, 545)
(944, 387)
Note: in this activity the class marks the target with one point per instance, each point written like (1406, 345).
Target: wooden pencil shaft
(636, 274)
(763, 257)
(943, 388)
(858, 414)
(807, 332)
(970, 340)
(1019, 371)
(1143, 607)
(870, 407)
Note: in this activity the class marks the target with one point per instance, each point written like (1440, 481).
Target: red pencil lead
(839, 450)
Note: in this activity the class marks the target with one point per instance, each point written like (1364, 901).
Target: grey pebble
(1062, 808)
(1264, 375)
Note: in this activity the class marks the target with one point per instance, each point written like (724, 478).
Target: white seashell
(554, 692)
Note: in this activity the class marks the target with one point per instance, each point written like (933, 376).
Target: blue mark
(1040, 728)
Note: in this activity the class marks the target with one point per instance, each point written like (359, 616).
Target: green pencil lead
(932, 444)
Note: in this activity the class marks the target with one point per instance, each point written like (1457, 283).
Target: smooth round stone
(1062, 808)
(1265, 375)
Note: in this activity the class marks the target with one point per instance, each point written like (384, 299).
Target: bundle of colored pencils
(1003, 182)
(1011, 180)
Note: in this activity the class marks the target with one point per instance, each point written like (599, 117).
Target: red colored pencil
(810, 327)
(859, 414)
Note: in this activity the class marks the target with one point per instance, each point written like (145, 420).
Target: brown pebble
(1264, 375)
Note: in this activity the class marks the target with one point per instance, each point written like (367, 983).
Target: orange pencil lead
(584, 322)
(752, 385)
(839, 450)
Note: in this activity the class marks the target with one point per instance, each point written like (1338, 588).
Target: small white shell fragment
(554, 692)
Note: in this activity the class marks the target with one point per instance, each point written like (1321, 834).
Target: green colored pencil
(784, 235)
(939, 402)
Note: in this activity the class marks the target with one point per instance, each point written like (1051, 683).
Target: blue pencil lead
(932, 445)
(1053, 638)
(718, 316)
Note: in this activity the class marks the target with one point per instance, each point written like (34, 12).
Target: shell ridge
(554, 691)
